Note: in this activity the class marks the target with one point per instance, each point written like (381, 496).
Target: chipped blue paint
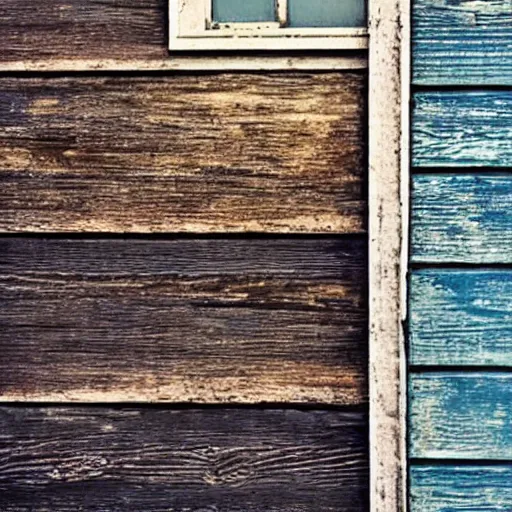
(460, 317)
(462, 218)
(461, 488)
(461, 415)
(462, 128)
(462, 42)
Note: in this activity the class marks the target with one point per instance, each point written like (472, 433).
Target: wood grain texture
(462, 128)
(460, 317)
(463, 218)
(222, 153)
(84, 29)
(461, 42)
(461, 415)
(184, 320)
(461, 488)
(132, 460)
(388, 192)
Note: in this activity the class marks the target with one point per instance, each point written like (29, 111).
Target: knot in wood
(229, 468)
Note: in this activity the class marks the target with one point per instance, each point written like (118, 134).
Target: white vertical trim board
(389, 76)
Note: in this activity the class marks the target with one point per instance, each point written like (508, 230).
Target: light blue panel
(462, 128)
(460, 317)
(462, 42)
(461, 415)
(327, 13)
(243, 11)
(461, 488)
(462, 218)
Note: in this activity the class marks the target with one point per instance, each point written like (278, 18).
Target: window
(268, 25)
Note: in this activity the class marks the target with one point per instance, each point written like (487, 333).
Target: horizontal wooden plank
(461, 415)
(462, 128)
(460, 317)
(91, 459)
(463, 218)
(224, 153)
(84, 29)
(215, 320)
(461, 488)
(462, 43)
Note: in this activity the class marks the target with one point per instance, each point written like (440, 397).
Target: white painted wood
(389, 57)
(191, 29)
(282, 12)
(270, 62)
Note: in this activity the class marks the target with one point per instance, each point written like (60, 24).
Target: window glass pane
(327, 13)
(243, 10)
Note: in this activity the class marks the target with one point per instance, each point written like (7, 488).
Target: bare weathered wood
(389, 84)
(183, 320)
(461, 415)
(133, 460)
(83, 29)
(265, 153)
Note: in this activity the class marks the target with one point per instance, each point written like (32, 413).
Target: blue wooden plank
(461, 488)
(462, 128)
(462, 218)
(460, 317)
(462, 42)
(461, 415)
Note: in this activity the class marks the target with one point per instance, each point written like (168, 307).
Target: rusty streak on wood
(224, 153)
(156, 460)
(202, 320)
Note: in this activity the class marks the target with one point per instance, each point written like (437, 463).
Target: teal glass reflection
(225, 11)
(327, 13)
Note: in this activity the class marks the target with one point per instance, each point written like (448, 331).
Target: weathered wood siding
(225, 153)
(462, 128)
(79, 30)
(184, 320)
(192, 238)
(143, 459)
(461, 42)
(452, 487)
(466, 415)
(460, 297)
(462, 218)
(461, 317)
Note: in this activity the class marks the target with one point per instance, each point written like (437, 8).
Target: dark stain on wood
(277, 320)
(222, 153)
(83, 29)
(157, 460)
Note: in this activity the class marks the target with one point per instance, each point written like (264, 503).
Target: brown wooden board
(229, 460)
(221, 153)
(206, 320)
(83, 29)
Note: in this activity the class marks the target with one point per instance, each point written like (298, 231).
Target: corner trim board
(389, 84)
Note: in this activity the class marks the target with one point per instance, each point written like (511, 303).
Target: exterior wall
(460, 318)
(183, 272)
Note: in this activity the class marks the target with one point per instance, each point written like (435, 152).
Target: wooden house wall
(460, 323)
(183, 274)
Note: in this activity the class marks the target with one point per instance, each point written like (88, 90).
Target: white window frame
(192, 28)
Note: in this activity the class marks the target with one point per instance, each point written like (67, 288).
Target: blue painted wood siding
(460, 293)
